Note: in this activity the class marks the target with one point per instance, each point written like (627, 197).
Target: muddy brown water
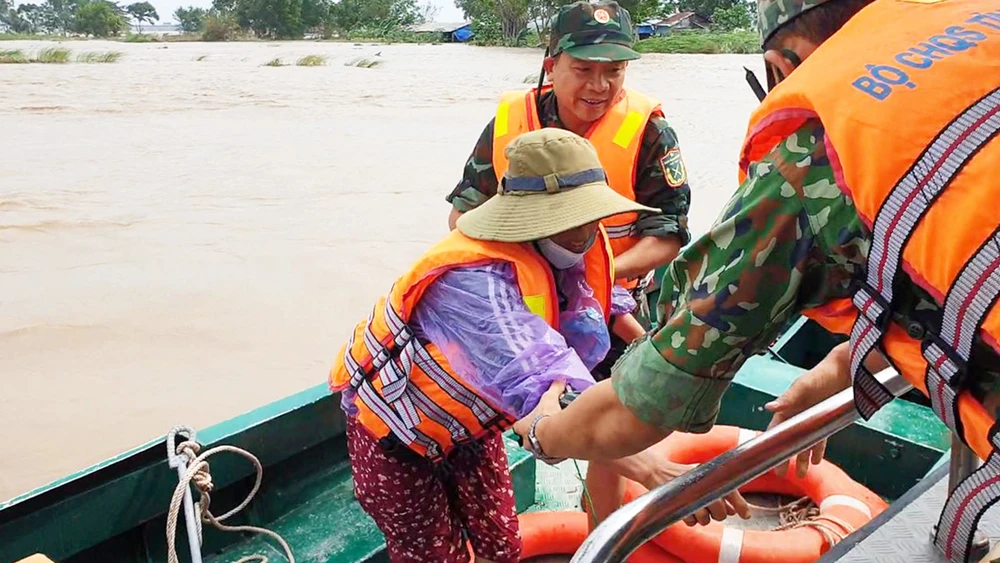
(187, 234)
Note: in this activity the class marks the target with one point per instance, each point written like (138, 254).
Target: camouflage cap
(600, 32)
(772, 14)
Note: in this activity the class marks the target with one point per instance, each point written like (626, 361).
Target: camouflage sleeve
(788, 239)
(661, 182)
(479, 181)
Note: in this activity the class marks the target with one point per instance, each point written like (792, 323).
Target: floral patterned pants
(426, 513)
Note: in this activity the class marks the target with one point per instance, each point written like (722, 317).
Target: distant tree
(734, 17)
(219, 26)
(350, 15)
(190, 19)
(706, 8)
(27, 18)
(100, 18)
(142, 12)
(642, 10)
(275, 19)
(315, 14)
(511, 16)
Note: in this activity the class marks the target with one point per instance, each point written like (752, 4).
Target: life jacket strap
(966, 506)
(897, 219)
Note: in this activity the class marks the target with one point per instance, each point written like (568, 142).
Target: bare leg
(607, 488)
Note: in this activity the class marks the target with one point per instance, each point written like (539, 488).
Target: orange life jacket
(617, 138)
(910, 112)
(405, 387)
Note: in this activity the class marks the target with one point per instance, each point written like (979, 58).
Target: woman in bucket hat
(467, 341)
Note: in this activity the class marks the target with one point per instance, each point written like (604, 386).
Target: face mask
(559, 257)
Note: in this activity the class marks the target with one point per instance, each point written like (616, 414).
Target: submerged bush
(311, 60)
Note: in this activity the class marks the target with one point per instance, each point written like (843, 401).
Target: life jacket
(406, 391)
(617, 137)
(911, 111)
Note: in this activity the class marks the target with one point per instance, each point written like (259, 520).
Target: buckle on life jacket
(871, 304)
(958, 365)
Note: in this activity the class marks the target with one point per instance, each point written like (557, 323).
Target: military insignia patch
(673, 168)
(602, 15)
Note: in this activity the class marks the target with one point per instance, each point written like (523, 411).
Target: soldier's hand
(830, 376)
(730, 505)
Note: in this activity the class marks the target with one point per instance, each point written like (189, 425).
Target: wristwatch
(536, 446)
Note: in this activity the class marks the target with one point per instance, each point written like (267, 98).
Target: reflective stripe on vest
(617, 137)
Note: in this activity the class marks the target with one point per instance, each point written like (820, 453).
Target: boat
(117, 510)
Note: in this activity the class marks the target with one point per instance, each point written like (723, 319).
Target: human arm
(479, 181)
(647, 466)
(623, 324)
(509, 355)
(648, 254)
(830, 376)
(627, 328)
(786, 240)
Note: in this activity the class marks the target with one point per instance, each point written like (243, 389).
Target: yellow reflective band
(500, 123)
(630, 126)
(536, 304)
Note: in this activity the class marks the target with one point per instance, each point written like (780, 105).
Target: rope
(197, 473)
(586, 493)
(803, 513)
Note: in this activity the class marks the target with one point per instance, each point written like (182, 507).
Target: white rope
(803, 513)
(197, 473)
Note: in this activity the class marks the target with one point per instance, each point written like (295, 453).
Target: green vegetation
(53, 55)
(219, 27)
(142, 13)
(12, 57)
(274, 62)
(92, 57)
(740, 42)
(190, 19)
(311, 60)
(96, 18)
(379, 35)
(494, 22)
(58, 55)
(140, 38)
(364, 63)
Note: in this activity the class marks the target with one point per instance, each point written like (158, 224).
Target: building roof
(675, 19)
(438, 27)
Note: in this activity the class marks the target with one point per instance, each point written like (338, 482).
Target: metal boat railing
(642, 519)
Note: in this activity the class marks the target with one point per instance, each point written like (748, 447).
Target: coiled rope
(803, 513)
(198, 473)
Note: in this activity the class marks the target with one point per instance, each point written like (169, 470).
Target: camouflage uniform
(573, 33)
(789, 239)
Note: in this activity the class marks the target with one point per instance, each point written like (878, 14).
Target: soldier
(588, 53)
(840, 210)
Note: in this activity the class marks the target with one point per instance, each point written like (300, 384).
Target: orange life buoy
(562, 533)
(844, 505)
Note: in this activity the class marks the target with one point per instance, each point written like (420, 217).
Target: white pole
(180, 462)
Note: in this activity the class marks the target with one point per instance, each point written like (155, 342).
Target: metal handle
(640, 520)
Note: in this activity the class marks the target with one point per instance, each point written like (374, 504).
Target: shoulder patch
(674, 171)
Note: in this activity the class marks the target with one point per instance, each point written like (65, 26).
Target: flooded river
(187, 234)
